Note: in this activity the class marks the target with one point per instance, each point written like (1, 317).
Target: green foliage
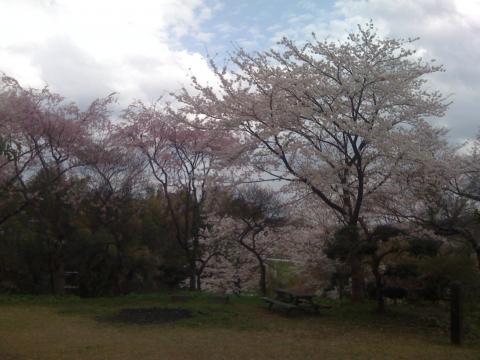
(23, 265)
(424, 246)
(402, 270)
(344, 243)
(129, 247)
(254, 204)
(440, 271)
(386, 232)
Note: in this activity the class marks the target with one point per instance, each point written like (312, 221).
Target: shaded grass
(68, 328)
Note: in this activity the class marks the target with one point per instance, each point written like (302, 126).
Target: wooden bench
(220, 299)
(294, 300)
(271, 302)
(303, 300)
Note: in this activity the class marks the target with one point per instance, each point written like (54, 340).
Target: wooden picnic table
(292, 299)
(295, 297)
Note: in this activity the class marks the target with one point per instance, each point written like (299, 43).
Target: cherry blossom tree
(336, 119)
(237, 255)
(40, 132)
(250, 227)
(260, 215)
(226, 266)
(435, 191)
(17, 153)
(467, 184)
(183, 160)
(116, 177)
(43, 140)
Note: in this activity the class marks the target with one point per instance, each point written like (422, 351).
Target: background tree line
(153, 196)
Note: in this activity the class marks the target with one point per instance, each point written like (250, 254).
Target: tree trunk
(263, 279)
(120, 281)
(56, 268)
(380, 302)
(341, 291)
(477, 252)
(199, 281)
(194, 273)
(356, 265)
(379, 289)
(193, 277)
(58, 276)
(357, 279)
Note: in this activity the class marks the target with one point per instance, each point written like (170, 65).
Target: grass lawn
(73, 328)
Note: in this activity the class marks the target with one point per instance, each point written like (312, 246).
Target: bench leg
(270, 305)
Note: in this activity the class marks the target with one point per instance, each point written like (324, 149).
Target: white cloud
(449, 32)
(88, 48)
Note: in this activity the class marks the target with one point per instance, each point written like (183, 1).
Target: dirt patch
(150, 315)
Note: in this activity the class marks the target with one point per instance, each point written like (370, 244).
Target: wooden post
(456, 314)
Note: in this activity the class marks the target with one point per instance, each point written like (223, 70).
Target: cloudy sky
(145, 48)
